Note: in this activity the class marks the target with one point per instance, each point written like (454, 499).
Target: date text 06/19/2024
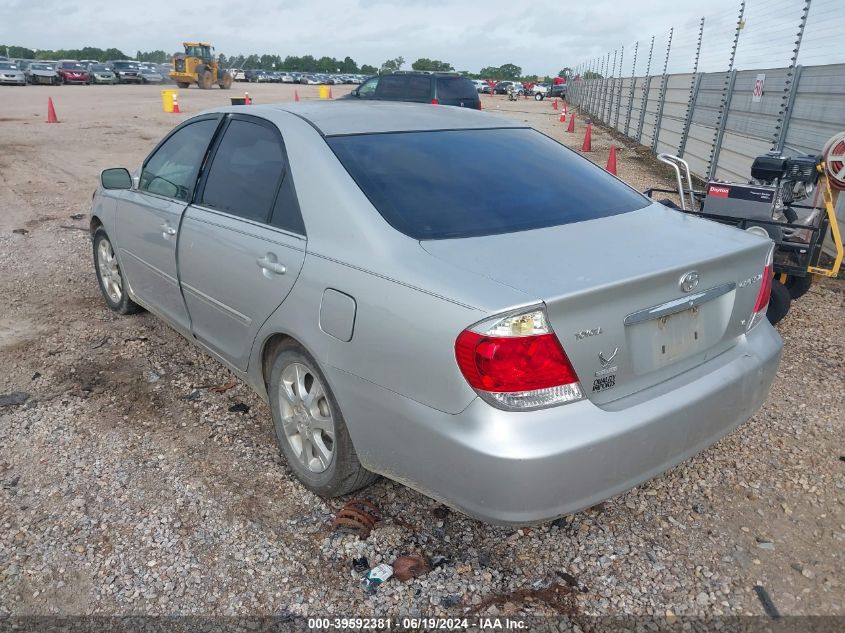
(416, 623)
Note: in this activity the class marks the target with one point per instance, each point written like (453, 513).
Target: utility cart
(790, 199)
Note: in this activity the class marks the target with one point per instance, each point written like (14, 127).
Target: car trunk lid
(612, 290)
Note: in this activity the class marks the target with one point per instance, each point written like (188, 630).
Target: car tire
(110, 276)
(798, 286)
(779, 302)
(538, 97)
(294, 376)
(227, 81)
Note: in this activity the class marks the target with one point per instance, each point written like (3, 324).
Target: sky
(541, 36)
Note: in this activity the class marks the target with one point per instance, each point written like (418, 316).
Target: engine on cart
(779, 185)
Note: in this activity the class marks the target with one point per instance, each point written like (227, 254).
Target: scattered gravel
(128, 485)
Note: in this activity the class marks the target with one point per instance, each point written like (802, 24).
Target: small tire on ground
(779, 302)
(184, 85)
(538, 97)
(125, 305)
(798, 286)
(226, 83)
(345, 473)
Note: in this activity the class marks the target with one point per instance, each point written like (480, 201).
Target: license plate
(659, 342)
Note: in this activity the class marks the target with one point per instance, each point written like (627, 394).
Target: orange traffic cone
(51, 111)
(296, 95)
(611, 160)
(571, 128)
(563, 117)
(247, 100)
(588, 139)
(554, 104)
(176, 109)
(330, 93)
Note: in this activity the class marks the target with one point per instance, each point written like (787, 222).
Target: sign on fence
(757, 95)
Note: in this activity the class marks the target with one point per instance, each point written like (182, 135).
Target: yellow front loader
(197, 65)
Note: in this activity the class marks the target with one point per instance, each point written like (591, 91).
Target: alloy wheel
(307, 417)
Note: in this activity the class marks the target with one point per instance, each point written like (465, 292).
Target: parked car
(72, 72)
(11, 75)
(309, 80)
(127, 71)
(286, 78)
(420, 87)
(481, 86)
(100, 74)
(238, 74)
(538, 91)
(151, 76)
(558, 91)
(42, 73)
(392, 281)
(502, 87)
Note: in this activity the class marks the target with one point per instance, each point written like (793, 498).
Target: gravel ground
(127, 486)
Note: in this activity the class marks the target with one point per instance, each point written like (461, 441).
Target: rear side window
(245, 174)
(391, 87)
(455, 88)
(465, 183)
(418, 88)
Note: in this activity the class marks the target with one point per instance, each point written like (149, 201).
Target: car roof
(343, 117)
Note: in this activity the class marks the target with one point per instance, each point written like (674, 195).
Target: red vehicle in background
(72, 72)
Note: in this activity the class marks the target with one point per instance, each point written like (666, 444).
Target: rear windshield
(455, 88)
(465, 183)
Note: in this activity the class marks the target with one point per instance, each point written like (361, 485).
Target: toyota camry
(444, 297)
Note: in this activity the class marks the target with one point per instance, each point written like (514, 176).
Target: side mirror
(116, 178)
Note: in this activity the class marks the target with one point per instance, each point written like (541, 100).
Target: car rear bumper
(527, 467)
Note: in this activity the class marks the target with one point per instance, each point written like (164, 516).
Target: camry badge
(689, 281)
(606, 360)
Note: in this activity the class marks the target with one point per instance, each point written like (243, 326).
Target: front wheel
(538, 97)
(110, 276)
(310, 429)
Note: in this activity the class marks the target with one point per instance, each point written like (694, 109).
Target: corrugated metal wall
(749, 128)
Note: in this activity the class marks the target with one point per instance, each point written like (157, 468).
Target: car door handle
(168, 230)
(269, 265)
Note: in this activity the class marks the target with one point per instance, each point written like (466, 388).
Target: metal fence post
(646, 88)
(790, 85)
(727, 95)
(695, 84)
(658, 117)
(611, 87)
(723, 121)
(619, 93)
(633, 87)
(606, 87)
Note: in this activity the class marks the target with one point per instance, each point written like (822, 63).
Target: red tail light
(434, 102)
(516, 362)
(762, 303)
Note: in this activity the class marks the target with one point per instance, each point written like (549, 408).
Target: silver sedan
(11, 75)
(443, 297)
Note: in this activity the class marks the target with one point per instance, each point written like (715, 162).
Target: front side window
(245, 173)
(368, 88)
(464, 183)
(172, 170)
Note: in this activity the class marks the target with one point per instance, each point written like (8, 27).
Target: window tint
(390, 87)
(244, 176)
(286, 213)
(455, 88)
(417, 88)
(172, 170)
(462, 183)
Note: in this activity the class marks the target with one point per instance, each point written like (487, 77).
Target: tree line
(294, 63)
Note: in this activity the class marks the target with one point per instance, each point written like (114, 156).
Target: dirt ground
(128, 486)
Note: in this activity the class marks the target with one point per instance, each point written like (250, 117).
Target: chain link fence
(721, 90)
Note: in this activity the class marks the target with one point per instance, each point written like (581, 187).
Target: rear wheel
(183, 84)
(538, 97)
(310, 428)
(779, 302)
(226, 83)
(798, 286)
